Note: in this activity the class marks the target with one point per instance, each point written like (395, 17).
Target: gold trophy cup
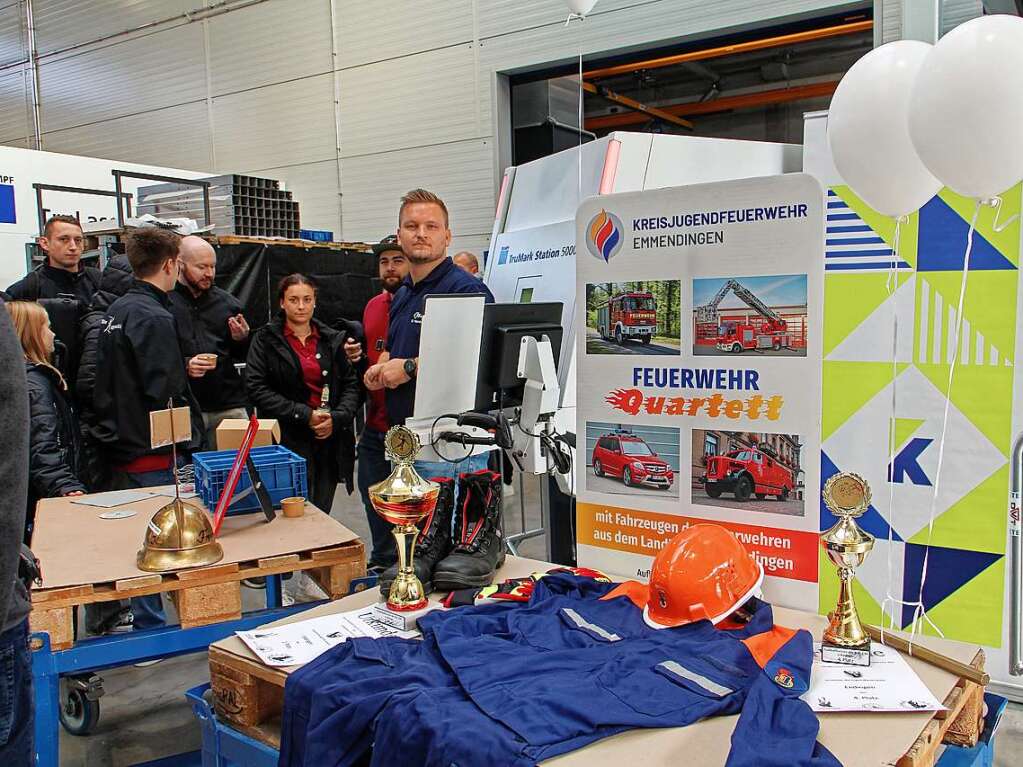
(403, 499)
(847, 496)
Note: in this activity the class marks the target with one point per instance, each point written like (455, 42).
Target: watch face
(402, 444)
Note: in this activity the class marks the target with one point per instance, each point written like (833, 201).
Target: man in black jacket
(138, 369)
(16, 700)
(213, 333)
(62, 274)
(63, 285)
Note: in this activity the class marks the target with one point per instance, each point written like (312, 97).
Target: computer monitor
(504, 327)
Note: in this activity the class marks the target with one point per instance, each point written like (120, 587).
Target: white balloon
(868, 130)
(966, 112)
(580, 7)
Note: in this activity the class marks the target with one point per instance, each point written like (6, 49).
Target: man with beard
(424, 236)
(373, 465)
(213, 334)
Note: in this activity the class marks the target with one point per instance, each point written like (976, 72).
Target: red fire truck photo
(748, 472)
(628, 316)
(625, 455)
(767, 331)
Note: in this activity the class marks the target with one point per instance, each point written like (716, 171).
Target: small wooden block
(203, 605)
(202, 573)
(283, 559)
(243, 699)
(348, 551)
(46, 595)
(965, 729)
(57, 623)
(138, 582)
(336, 579)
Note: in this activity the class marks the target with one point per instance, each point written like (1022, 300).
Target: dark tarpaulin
(251, 271)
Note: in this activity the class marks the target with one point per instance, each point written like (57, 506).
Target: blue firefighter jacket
(515, 685)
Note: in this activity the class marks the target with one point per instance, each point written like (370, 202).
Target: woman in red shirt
(298, 373)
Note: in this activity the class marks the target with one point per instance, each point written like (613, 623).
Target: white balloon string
(996, 203)
(892, 286)
(921, 611)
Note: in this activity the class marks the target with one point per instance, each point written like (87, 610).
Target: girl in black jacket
(298, 373)
(54, 439)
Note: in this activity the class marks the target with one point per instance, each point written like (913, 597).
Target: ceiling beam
(640, 108)
(725, 104)
(727, 50)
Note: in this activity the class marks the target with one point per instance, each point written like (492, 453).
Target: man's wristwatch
(410, 367)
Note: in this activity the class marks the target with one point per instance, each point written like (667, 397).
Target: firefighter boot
(434, 541)
(478, 536)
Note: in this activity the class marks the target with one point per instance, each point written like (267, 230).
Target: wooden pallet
(201, 596)
(960, 725)
(237, 239)
(249, 696)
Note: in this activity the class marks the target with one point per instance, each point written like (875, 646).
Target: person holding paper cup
(139, 369)
(298, 373)
(213, 333)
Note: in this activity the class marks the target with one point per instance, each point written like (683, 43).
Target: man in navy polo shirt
(424, 236)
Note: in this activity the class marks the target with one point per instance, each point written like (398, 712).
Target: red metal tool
(232, 479)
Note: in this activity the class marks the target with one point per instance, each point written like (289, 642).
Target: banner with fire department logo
(699, 374)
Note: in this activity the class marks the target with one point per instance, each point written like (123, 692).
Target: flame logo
(604, 235)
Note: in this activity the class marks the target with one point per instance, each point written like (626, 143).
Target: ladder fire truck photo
(768, 331)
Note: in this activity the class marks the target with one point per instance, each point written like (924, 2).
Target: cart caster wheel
(78, 714)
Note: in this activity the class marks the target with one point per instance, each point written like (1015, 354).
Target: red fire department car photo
(623, 461)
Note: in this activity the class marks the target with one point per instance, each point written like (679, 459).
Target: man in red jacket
(373, 464)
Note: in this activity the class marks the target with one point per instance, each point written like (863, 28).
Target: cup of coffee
(293, 507)
(209, 357)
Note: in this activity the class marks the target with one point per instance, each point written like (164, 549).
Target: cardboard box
(231, 432)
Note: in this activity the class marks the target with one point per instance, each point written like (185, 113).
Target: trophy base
(847, 656)
(406, 594)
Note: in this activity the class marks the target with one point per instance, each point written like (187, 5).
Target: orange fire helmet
(703, 573)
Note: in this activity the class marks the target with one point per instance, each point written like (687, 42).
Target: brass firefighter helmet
(180, 535)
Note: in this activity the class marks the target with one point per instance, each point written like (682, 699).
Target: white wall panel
(15, 119)
(176, 137)
(387, 29)
(62, 23)
(159, 70)
(461, 173)
(474, 243)
(314, 185)
(275, 126)
(428, 98)
(12, 32)
(269, 43)
(499, 17)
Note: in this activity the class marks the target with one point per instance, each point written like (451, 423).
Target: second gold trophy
(403, 499)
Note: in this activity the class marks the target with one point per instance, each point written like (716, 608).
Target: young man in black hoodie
(139, 368)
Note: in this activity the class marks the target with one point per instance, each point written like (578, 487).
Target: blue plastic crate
(316, 235)
(282, 471)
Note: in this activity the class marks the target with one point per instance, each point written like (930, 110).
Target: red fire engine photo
(632, 459)
(748, 470)
(750, 315)
(634, 317)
